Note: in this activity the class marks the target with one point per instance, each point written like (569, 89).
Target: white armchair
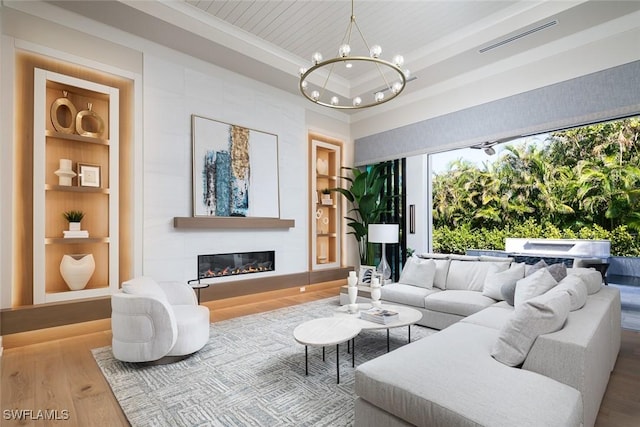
(151, 320)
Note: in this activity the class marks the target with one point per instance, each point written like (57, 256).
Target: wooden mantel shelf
(222, 222)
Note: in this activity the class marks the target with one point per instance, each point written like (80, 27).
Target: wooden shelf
(74, 240)
(75, 189)
(74, 137)
(224, 222)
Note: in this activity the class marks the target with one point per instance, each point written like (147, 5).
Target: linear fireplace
(224, 265)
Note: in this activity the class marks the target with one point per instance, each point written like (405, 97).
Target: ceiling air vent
(519, 36)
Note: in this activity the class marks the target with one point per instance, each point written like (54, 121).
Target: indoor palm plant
(368, 202)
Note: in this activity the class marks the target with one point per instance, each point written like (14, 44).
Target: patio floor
(630, 297)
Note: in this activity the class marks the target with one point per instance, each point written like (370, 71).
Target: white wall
(417, 194)
(176, 86)
(173, 87)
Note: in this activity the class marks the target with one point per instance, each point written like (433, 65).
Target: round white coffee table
(407, 316)
(324, 332)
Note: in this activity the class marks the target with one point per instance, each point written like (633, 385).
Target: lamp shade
(383, 233)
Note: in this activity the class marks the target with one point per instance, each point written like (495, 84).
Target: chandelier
(393, 77)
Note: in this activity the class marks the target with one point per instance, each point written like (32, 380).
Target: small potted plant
(326, 197)
(74, 218)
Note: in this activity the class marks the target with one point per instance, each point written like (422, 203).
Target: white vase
(74, 226)
(352, 280)
(322, 167)
(376, 292)
(65, 173)
(76, 270)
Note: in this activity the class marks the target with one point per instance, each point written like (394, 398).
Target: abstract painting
(235, 170)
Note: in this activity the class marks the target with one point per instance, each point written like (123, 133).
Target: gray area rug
(250, 373)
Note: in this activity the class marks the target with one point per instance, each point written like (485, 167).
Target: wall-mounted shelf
(216, 222)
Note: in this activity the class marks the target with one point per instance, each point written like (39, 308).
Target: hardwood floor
(61, 375)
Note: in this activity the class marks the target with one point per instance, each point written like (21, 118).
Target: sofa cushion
(442, 268)
(406, 294)
(144, 286)
(495, 279)
(418, 272)
(462, 303)
(496, 258)
(470, 275)
(558, 271)
(530, 269)
(493, 317)
(449, 379)
(590, 276)
(539, 315)
(577, 291)
(531, 286)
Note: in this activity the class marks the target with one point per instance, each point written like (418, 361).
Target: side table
(327, 331)
(195, 284)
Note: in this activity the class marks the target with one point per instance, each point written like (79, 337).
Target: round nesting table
(324, 332)
(407, 316)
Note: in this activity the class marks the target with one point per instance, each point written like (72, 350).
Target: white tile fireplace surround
(213, 266)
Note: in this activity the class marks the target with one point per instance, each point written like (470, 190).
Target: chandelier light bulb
(357, 101)
(379, 96)
(398, 60)
(302, 70)
(315, 95)
(344, 50)
(304, 84)
(348, 65)
(407, 73)
(334, 100)
(396, 87)
(375, 51)
(316, 58)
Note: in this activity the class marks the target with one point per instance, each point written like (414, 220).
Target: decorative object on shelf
(322, 253)
(93, 120)
(326, 197)
(74, 218)
(383, 233)
(392, 77)
(322, 166)
(376, 292)
(77, 269)
(63, 108)
(88, 175)
(352, 289)
(225, 156)
(65, 173)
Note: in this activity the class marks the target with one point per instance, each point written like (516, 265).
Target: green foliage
(368, 203)
(458, 239)
(73, 216)
(582, 183)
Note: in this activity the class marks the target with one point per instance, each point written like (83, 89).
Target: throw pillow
(508, 292)
(496, 279)
(531, 286)
(543, 314)
(418, 272)
(591, 277)
(558, 271)
(576, 289)
(530, 269)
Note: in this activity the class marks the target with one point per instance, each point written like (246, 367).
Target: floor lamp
(383, 233)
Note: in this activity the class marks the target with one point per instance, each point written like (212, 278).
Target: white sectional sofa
(544, 362)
